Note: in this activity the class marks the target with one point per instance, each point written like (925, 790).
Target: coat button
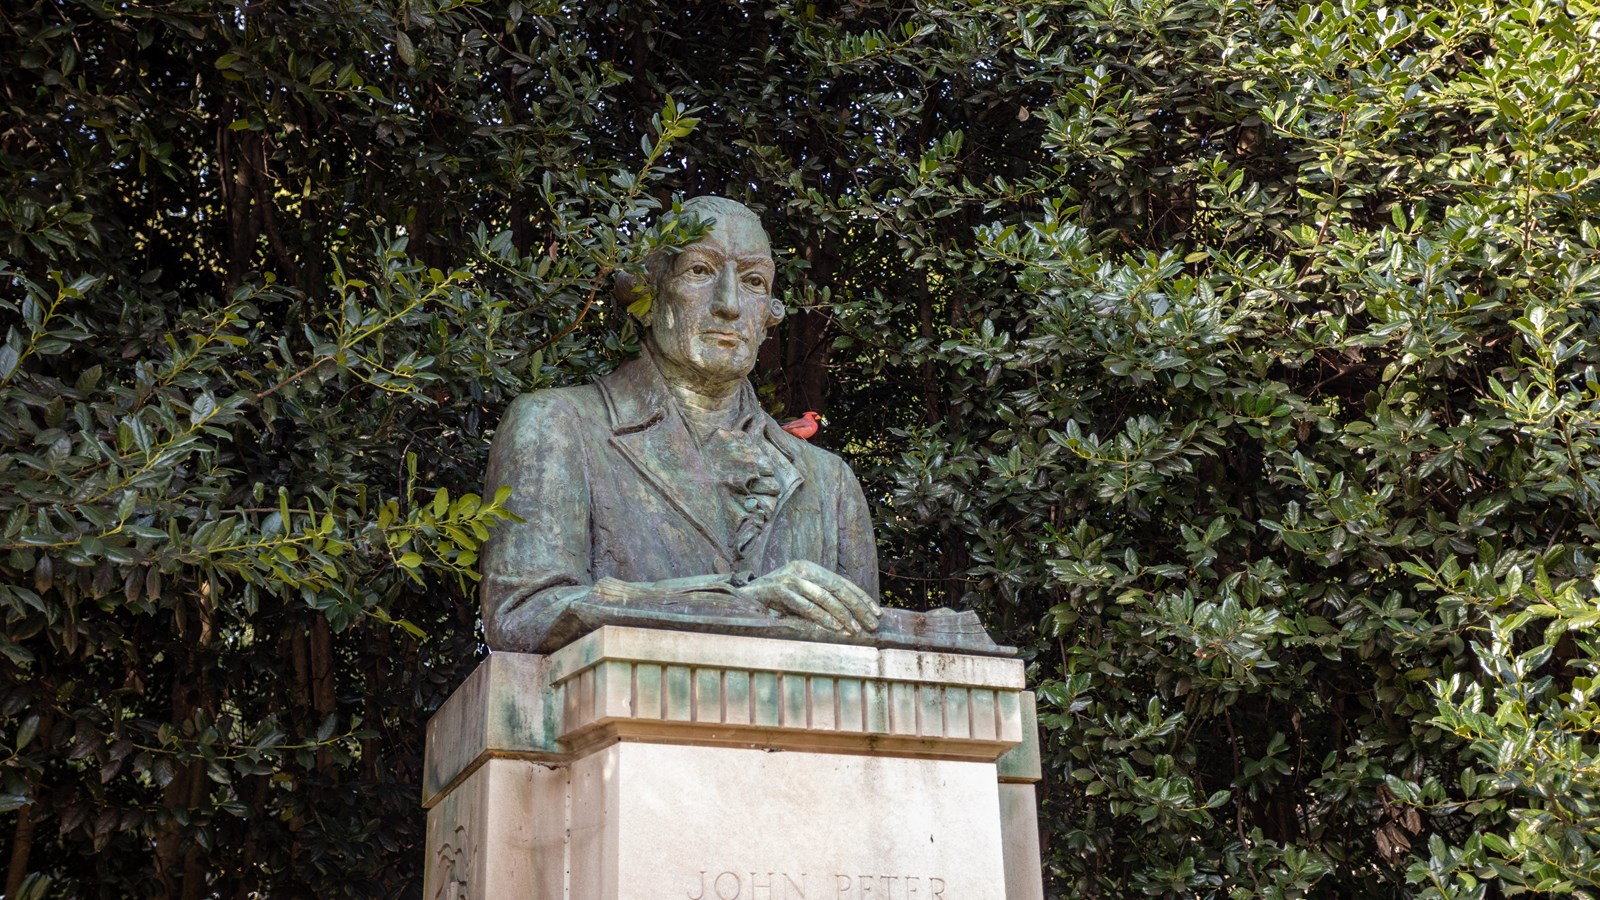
(722, 566)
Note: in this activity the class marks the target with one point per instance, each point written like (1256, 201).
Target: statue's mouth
(724, 337)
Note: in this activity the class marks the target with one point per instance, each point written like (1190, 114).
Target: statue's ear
(635, 294)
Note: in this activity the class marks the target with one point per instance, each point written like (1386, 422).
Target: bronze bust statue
(663, 496)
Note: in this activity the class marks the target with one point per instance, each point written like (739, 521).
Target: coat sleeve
(538, 588)
(858, 551)
(535, 568)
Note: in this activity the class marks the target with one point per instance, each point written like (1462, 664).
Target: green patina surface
(850, 709)
(663, 496)
(1022, 762)
(876, 696)
(678, 689)
(738, 693)
(647, 689)
(765, 685)
(930, 711)
(510, 705)
(794, 700)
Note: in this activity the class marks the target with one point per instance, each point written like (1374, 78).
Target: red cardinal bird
(805, 426)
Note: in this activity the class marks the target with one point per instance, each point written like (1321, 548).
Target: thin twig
(581, 313)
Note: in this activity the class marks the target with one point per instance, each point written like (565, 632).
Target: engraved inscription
(888, 887)
(730, 885)
(747, 886)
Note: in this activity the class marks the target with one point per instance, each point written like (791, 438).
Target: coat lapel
(784, 471)
(648, 431)
(787, 473)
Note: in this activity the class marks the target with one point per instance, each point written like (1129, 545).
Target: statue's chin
(722, 364)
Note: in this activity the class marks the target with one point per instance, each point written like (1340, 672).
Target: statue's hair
(720, 208)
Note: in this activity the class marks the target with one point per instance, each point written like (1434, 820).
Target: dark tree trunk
(806, 343)
(21, 847)
(932, 396)
(322, 693)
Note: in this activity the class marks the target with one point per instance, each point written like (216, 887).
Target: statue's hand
(803, 589)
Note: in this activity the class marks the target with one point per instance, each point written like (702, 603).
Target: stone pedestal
(650, 765)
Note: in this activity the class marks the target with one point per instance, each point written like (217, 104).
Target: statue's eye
(756, 282)
(700, 270)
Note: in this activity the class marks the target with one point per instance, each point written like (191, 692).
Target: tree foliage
(1236, 360)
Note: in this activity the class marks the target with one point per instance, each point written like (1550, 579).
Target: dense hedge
(1234, 359)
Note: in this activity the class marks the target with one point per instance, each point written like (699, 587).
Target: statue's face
(711, 309)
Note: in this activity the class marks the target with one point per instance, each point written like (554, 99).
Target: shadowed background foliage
(1234, 359)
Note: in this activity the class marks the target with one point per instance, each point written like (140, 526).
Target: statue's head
(713, 300)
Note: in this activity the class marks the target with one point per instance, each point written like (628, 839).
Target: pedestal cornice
(633, 684)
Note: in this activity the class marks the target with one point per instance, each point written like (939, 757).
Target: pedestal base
(833, 772)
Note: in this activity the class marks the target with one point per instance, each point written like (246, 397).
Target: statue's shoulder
(552, 408)
(809, 456)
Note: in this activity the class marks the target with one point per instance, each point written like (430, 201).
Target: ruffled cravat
(746, 476)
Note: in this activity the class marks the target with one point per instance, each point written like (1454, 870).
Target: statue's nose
(725, 298)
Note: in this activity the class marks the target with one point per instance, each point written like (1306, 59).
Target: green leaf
(26, 732)
(640, 307)
(204, 406)
(404, 49)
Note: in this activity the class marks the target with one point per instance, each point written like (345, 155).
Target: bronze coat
(610, 485)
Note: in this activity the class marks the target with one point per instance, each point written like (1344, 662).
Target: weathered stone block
(639, 764)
